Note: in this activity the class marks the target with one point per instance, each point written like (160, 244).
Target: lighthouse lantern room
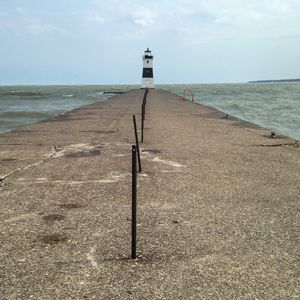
(147, 81)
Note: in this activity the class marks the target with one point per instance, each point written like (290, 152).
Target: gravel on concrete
(218, 205)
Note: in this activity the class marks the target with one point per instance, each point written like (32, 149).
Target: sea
(275, 106)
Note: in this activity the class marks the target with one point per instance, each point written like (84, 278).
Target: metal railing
(136, 159)
(187, 90)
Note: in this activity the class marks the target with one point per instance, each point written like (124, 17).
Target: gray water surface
(273, 105)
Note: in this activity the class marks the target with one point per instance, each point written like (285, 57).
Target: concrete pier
(218, 206)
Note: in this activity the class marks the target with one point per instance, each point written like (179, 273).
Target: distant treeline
(270, 81)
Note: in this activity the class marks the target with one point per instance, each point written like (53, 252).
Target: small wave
(235, 106)
(113, 92)
(68, 96)
(16, 93)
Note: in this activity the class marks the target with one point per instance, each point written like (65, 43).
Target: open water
(275, 106)
(22, 105)
(270, 105)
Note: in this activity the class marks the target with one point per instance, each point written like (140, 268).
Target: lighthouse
(147, 81)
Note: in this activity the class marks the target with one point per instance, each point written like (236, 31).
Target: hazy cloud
(38, 28)
(143, 16)
(224, 38)
(20, 10)
(93, 16)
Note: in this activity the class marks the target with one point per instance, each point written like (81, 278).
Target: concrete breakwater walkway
(218, 206)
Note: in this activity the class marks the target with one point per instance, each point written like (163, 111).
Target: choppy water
(274, 106)
(21, 105)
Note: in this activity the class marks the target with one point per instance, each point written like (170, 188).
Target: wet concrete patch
(87, 108)
(62, 118)
(245, 124)
(8, 159)
(71, 205)
(85, 153)
(53, 217)
(89, 113)
(78, 150)
(24, 131)
(210, 115)
(54, 238)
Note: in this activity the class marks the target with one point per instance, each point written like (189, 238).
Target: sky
(193, 41)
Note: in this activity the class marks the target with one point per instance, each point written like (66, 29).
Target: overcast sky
(193, 41)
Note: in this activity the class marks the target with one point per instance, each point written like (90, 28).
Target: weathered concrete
(218, 206)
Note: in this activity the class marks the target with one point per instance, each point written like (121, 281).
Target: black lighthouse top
(148, 54)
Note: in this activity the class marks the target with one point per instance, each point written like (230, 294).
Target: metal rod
(143, 114)
(144, 103)
(142, 127)
(137, 143)
(143, 110)
(133, 207)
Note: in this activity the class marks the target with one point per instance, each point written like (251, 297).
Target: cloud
(20, 21)
(20, 10)
(93, 16)
(238, 16)
(212, 33)
(236, 12)
(200, 21)
(143, 16)
(38, 28)
(6, 25)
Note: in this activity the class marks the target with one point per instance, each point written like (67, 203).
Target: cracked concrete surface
(218, 215)
(4, 177)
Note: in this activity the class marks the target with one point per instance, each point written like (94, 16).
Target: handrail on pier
(190, 91)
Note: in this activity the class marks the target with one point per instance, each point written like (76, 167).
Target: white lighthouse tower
(147, 81)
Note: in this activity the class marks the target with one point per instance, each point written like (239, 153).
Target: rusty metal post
(133, 204)
(142, 125)
(137, 143)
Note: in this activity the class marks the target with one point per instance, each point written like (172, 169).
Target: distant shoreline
(271, 81)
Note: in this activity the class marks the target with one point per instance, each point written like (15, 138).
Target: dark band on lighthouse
(147, 73)
(147, 80)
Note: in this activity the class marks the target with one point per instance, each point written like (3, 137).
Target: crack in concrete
(56, 149)
(295, 144)
(4, 177)
(112, 177)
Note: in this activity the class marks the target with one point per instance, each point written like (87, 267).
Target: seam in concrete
(3, 178)
(112, 177)
(295, 144)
